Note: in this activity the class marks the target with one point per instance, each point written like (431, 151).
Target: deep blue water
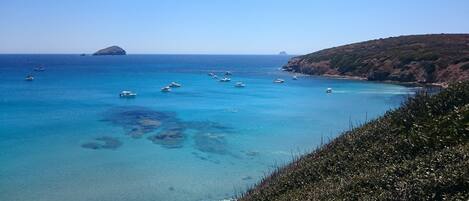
(203, 141)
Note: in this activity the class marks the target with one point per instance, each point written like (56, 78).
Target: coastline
(349, 77)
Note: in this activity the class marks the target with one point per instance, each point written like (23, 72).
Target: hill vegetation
(419, 151)
(437, 58)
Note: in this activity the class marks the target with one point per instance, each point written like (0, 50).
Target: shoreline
(349, 77)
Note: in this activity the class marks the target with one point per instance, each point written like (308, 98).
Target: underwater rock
(169, 138)
(137, 121)
(136, 133)
(207, 126)
(252, 153)
(211, 143)
(104, 143)
(171, 188)
(91, 145)
(109, 142)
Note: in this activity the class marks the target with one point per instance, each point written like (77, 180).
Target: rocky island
(429, 59)
(113, 50)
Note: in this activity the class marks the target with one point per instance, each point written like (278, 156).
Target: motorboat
(29, 78)
(174, 84)
(127, 94)
(240, 84)
(215, 77)
(225, 79)
(329, 90)
(278, 80)
(211, 74)
(295, 77)
(228, 73)
(166, 89)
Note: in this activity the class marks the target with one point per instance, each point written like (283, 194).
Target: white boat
(329, 90)
(240, 84)
(215, 77)
(228, 73)
(295, 77)
(127, 94)
(174, 84)
(278, 80)
(166, 89)
(225, 79)
(211, 74)
(29, 78)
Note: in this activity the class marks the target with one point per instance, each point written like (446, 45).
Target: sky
(217, 26)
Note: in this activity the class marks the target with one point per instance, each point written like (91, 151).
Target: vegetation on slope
(419, 151)
(438, 58)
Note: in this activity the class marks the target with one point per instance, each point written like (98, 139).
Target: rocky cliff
(436, 58)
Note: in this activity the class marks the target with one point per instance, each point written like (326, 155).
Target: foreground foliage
(419, 151)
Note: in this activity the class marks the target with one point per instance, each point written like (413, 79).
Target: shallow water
(68, 136)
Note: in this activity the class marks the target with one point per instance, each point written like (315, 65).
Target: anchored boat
(127, 94)
(278, 80)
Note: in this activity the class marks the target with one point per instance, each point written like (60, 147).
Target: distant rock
(113, 50)
(282, 53)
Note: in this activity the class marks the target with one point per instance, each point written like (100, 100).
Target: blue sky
(217, 26)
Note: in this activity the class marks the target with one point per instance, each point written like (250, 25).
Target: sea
(69, 135)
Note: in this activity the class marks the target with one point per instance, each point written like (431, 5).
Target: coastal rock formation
(438, 58)
(113, 50)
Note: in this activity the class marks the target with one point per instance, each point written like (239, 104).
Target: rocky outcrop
(438, 58)
(113, 50)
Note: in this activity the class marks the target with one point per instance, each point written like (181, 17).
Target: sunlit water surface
(68, 136)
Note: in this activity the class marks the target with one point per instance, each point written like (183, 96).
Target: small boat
(225, 79)
(228, 73)
(82, 55)
(166, 89)
(211, 74)
(329, 90)
(278, 80)
(295, 77)
(215, 77)
(174, 84)
(39, 69)
(240, 84)
(29, 78)
(127, 94)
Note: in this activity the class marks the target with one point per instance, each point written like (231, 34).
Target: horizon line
(91, 54)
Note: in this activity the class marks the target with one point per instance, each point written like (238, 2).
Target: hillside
(438, 58)
(419, 151)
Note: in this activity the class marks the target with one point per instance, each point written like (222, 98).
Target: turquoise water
(204, 141)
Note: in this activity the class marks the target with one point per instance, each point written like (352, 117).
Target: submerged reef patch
(169, 138)
(166, 129)
(211, 143)
(103, 143)
(138, 121)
